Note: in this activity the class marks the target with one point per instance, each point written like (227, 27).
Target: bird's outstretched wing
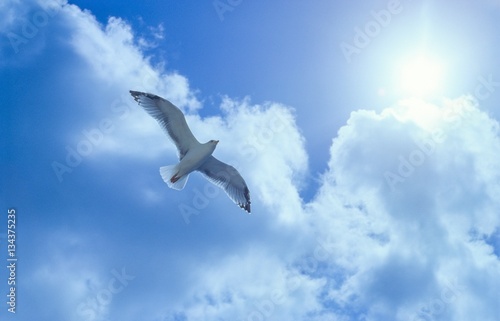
(170, 118)
(228, 178)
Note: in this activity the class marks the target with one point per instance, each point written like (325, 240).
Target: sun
(420, 75)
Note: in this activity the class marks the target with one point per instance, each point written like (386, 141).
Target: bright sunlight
(420, 75)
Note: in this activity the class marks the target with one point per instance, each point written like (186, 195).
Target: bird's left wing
(228, 178)
(170, 118)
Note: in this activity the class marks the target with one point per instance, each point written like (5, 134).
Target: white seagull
(193, 156)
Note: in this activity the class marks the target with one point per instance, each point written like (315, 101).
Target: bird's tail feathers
(168, 173)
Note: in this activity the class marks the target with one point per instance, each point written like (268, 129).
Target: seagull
(193, 156)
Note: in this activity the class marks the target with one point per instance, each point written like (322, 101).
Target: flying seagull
(193, 156)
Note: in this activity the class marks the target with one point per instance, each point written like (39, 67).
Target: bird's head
(212, 143)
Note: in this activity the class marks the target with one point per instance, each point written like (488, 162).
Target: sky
(367, 132)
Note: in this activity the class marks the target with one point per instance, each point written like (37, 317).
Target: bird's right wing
(170, 118)
(228, 178)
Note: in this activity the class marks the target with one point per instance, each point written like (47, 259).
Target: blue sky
(368, 135)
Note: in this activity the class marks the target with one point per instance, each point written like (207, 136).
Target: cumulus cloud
(116, 58)
(270, 290)
(421, 190)
(413, 249)
(67, 260)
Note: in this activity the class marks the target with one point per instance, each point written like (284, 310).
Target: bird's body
(176, 175)
(193, 156)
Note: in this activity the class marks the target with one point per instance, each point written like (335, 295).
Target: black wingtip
(246, 206)
(136, 94)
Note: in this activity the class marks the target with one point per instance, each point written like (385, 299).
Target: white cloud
(419, 232)
(10, 11)
(401, 254)
(115, 57)
(118, 64)
(23, 27)
(150, 41)
(270, 149)
(235, 290)
(68, 277)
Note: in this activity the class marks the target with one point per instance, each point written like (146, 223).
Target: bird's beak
(216, 142)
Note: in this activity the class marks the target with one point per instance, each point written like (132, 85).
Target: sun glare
(420, 75)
